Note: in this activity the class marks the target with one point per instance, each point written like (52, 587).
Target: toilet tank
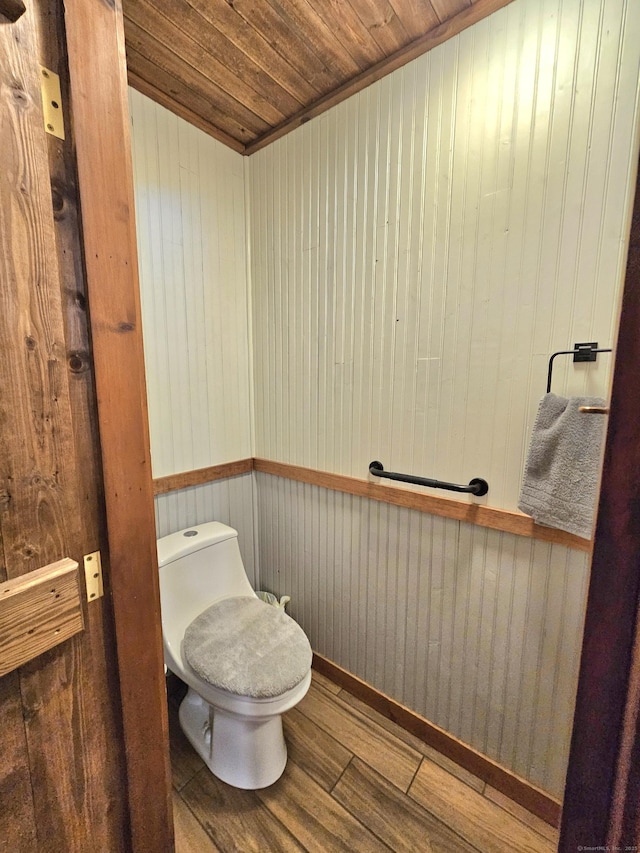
(198, 566)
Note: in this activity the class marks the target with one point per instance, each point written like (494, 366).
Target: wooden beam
(12, 9)
(101, 122)
(38, 611)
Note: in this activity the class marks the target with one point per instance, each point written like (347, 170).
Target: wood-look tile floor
(354, 781)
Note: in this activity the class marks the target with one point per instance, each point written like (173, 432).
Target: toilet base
(246, 752)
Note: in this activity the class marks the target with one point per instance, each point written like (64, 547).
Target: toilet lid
(248, 648)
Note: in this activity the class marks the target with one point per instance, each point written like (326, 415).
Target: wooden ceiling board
(249, 71)
(150, 25)
(350, 31)
(208, 44)
(232, 117)
(418, 16)
(298, 51)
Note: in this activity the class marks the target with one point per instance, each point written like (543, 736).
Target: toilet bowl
(245, 662)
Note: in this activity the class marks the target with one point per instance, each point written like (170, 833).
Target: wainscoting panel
(477, 630)
(229, 501)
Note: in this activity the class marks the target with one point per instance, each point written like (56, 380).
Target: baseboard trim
(533, 799)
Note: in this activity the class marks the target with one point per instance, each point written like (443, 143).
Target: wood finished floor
(354, 781)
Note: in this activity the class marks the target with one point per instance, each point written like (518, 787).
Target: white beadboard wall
(190, 214)
(416, 254)
(230, 501)
(478, 631)
(419, 251)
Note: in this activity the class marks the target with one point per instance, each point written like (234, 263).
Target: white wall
(190, 214)
(417, 253)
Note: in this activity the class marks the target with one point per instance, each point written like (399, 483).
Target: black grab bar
(477, 486)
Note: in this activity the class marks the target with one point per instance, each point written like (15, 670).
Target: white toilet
(245, 662)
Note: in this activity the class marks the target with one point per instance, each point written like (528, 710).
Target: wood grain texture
(439, 34)
(38, 611)
(190, 836)
(42, 517)
(18, 820)
(98, 82)
(192, 107)
(483, 516)
(315, 751)
(472, 816)
(286, 62)
(396, 761)
(235, 819)
(603, 781)
(370, 798)
(316, 819)
(482, 768)
(410, 739)
(362, 810)
(106, 811)
(187, 479)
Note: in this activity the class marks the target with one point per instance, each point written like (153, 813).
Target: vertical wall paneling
(191, 235)
(229, 501)
(478, 631)
(190, 205)
(417, 253)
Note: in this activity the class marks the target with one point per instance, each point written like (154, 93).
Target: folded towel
(562, 470)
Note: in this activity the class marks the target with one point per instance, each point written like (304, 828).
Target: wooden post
(95, 39)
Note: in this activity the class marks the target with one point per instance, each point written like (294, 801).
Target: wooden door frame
(603, 782)
(602, 795)
(100, 111)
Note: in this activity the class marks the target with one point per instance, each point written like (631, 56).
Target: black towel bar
(580, 352)
(477, 486)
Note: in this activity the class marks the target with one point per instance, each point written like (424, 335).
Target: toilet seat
(247, 648)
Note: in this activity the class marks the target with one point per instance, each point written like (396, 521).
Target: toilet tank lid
(191, 539)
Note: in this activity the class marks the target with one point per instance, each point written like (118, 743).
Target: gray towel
(562, 471)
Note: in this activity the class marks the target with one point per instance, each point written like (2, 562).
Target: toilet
(245, 662)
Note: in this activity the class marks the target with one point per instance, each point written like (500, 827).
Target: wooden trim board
(38, 611)
(200, 476)
(99, 103)
(472, 513)
(484, 516)
(533, 799)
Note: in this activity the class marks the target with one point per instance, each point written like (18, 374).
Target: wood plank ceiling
(248, 71)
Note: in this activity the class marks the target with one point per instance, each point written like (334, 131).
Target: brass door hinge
(51, 102)
(93, 575)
